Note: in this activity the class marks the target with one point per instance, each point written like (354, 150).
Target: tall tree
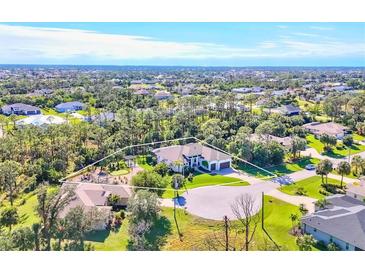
(50, 206)
(343, 168)
(324, 168)
(9, 217)
(9, 171)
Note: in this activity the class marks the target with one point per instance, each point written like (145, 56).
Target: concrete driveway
(213, 202)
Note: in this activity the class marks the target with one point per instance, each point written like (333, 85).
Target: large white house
(193, 155)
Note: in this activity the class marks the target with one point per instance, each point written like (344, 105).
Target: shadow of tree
(97, 236)
(157, 235)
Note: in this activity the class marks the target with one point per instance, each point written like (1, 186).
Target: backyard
(311, 187)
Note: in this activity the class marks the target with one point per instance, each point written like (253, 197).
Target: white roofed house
(193, 155)
(41, 120)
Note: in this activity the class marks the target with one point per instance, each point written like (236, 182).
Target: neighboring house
(357, 190)
(95, 196)
(342, 222)
(70, 106)
(248, 90)
(103, 117)
(288, 110)
(162, 95)
(330, 128)
(20, 109)
(78, 116)
(284, 141)
(41, 120)
(142, 92)
(193, 155)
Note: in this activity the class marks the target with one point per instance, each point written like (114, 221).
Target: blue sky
(203, 44)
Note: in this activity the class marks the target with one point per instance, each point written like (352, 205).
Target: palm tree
(177, 182)
(357, 163)
(293, 218)
(343, 168)
(324, 168)
(322, 203)
(348, 142)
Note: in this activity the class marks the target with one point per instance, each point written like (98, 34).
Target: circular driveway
(214, 202)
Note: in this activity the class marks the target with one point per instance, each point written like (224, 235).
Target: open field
(311, 185)
(195, 230)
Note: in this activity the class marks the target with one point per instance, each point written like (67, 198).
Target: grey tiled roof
(344, 220)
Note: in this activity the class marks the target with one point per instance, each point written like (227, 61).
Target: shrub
(300, 191)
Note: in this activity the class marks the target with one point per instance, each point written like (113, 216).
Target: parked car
(310, 167)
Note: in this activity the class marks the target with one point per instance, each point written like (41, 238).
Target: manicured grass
(201, 180)
(337, 152)
(278, 224)
(358, 137)
(143, 163)
(119, 172)
(279, 170)
(110, 240)
(288, 168)
(311, 185)
(195, 230)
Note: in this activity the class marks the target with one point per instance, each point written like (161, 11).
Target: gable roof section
(177, 152)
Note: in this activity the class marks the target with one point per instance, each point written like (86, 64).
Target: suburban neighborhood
(181, 158)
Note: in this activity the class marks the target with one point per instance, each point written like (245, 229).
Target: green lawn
(27, 211)
(201, 180)
(143, 163)
(110, 240)
(358, 137)
(120, 172)
(337, 152)
(279, 170)
(195, 230)
(311, 185)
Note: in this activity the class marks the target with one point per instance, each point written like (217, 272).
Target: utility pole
(226, 232)
(262, 210)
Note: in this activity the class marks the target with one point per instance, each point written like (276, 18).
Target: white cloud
(20, 44)
(306, 34)
(321, 28)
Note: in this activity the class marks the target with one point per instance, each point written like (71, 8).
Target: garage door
(224, 165)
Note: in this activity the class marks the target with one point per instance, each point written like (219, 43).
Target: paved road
(213, 202)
